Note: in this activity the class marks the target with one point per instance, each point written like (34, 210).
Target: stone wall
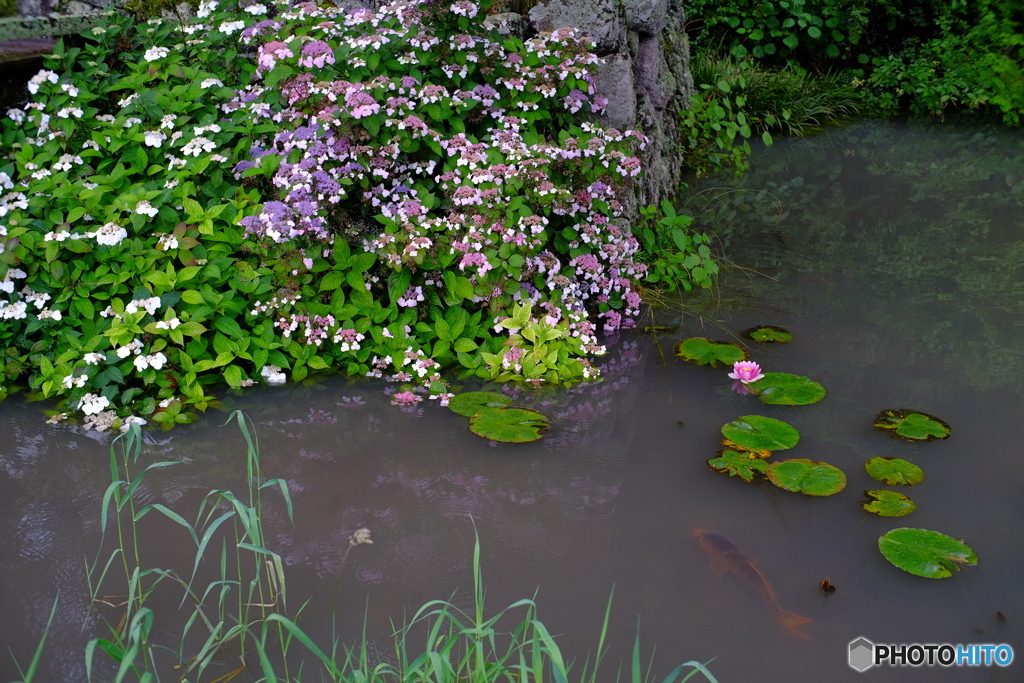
(645, 74)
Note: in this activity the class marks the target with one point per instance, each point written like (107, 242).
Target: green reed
(245, 607)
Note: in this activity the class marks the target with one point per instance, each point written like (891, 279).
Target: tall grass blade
(33, 666)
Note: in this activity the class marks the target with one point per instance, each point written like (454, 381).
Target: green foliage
(675, 255)
(767, 334)
(701, 351)
(470, 403)
(162, 133)
(757, 433)
(782, 29)
(785, 389)
(894, 471)
(509, 425)
(888, 503)
(925, 553)
(739, 99)
(919, 55)
(912, 425)
(241, 611)
(744, 465)
(801, 475)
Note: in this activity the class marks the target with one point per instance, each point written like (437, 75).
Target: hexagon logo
(862, 654)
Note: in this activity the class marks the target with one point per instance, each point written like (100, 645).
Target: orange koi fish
(726, 556)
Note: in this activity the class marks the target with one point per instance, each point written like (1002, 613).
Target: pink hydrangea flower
(746, 371)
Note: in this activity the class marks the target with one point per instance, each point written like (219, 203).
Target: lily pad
(803, 476)
(894, 471)
(926, 553)
(510, 425)
(888, 503)
(912, 425)
(470, 403)
(743, 465)
(784, 389)
(768, 334)
(755, 432)
(700, 351)
(746, 450)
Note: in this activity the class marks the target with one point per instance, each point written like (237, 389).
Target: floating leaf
(925, 553)
(784, 389)
(511, 425)
(912, 425)
(894, 471)
(767, 334)
(700, 351)
(472, 402)
(754, 432)
(749, 452)
(888, 503)
(803, 476)
(736, 464)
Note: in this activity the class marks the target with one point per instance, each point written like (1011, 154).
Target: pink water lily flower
(746, 371)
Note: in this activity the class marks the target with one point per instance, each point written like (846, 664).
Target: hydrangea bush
(268, 191)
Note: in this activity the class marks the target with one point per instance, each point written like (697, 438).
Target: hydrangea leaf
(894, 471)
(755, 432)
(767, 334)
(926, 553)
(744, 465)
(701, 351)
(912, 425)
(803, 476)
(784, 389)
(510, 425)
(888, 503)
(470, 403)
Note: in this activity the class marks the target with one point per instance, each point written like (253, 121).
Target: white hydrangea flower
(130, 420)
(197, 146)
(93, 358)
(155, 138)
(66, 161)
(134, 346)
(34, 297)
(210, 82)
(40, 78)
(56, 236)
(256, 10)
(146, 209)
(71, 382)
(273, 375)
(168, 242)
(229, 27)
(48, 313)
(13, 311)
(168, 324)
(155, 53)
(92, 404)
(205, 8)
(110, 234)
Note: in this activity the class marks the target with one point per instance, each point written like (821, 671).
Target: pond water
(893, 255)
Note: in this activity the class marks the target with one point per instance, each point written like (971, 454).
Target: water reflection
(893, 258)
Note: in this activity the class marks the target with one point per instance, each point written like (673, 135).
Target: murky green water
(893, 254)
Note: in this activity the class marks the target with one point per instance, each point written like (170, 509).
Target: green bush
(180, 217)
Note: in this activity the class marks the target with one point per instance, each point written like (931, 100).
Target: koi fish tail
(791, 624)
